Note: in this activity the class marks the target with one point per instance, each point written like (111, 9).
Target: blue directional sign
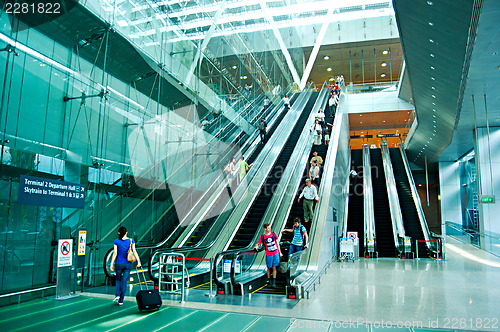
(48, 192)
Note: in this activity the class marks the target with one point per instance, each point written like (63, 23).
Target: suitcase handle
(139, 273)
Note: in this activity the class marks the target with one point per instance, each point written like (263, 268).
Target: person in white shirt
(310, 194)
(314, 173)
(320, 116)
(318, 130)
(286, 101)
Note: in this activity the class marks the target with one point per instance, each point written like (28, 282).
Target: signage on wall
(486, 199)
(48, 192)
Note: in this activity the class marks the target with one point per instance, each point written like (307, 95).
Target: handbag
(246, 168)
(130, 253)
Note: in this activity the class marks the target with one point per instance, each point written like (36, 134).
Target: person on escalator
(299, 237)
(314, 174)
(310, 194)
(273, 252)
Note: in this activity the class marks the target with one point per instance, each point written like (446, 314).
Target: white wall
(377, 102)
(490, 178)
(449, 183)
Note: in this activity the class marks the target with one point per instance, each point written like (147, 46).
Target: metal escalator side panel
(392, 193)
(432, 246)
(258, 174)
(369, 213)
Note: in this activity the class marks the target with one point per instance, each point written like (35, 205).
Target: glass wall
(122, 118)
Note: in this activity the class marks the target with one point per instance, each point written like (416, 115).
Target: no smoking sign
(64, 254)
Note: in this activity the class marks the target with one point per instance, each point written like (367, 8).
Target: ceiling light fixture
(433, 88)
(432, 78)
(326, 57)
(384, 64)
(431, 40)
(432, 68)
(329, 69)
(385, 52)
(432, 55)
(433, 96)
(429, 3)
(382, 75)
(431, 24)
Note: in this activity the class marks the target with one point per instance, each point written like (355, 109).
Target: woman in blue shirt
(123, 266)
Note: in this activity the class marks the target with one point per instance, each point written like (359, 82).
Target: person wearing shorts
(273, 252)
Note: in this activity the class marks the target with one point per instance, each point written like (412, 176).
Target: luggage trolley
(346, 249)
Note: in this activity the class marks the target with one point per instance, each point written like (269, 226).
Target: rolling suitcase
(147, 299)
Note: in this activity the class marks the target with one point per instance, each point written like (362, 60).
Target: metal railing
(369, 212)
(428, 235)
(172, 274)
(398, 228)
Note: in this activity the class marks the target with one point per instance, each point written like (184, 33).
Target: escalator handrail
(428, 235)
(237, 251)
(159, 245)
(398, 229)
(272, 122)
(368, 205)
(311, 260)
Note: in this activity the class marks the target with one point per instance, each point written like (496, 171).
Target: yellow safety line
(175, 321)
(258, 289)
(200, 285)
(37, 312)
(93, 320)
(56, 318)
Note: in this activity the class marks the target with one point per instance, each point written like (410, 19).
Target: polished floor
(460, 293)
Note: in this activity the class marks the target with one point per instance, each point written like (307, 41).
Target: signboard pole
(81, 240)
(64, 267)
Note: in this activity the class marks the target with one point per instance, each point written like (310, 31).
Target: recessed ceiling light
(433, 110)
(382, 75)
(384, 120)
(431, 24)
(384, 64)
(234, 67)
(432, 78)
(385, 52)
(432, 55)
(434, 121)
(360, 121)
(434, 104)
(433, 115)
(331, 78)
(431, 40)
(429, 3)
(433, 96)
(433, 88)
(432, 68)
(326, 57)
(329, 68)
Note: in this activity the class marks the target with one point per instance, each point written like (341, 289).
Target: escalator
(383, 222)
(221, 202)
(296, 211)
(355, 216)
(408, 208)
(252, 220)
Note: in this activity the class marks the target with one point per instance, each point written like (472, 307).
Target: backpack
(275, 237)
(262, 125)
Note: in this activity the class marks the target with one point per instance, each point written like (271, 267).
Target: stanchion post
(417, 249)
(211, 278)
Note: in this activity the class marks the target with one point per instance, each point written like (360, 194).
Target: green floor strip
(195, 321)
(53, 306)
(22, 305)
(104, 317)
(232, 322)
(310, 325)
(153, 320)
(269, 324)
(57, 317)
(173, 322)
